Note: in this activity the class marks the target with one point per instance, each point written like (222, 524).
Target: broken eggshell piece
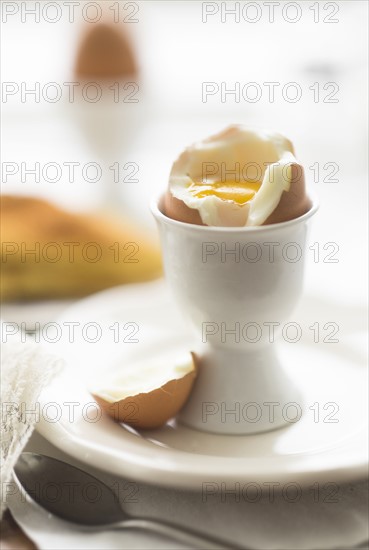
(239, 177)
(147, 395)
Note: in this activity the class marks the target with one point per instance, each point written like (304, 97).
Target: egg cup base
(238, 392)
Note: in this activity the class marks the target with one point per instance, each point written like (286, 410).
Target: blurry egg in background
(106, 66)
(105, 52)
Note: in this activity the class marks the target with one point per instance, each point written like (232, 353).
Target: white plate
(327, 444)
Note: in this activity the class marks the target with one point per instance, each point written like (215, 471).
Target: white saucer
(327, 444)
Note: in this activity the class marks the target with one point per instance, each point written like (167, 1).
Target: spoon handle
(188, 537)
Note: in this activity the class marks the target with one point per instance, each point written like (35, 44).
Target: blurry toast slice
(47, 252)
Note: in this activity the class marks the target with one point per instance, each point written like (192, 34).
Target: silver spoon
(62, 489)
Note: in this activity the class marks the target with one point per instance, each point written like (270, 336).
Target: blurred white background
(179, 47)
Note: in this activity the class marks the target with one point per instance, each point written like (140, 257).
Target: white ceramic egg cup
(239, 286)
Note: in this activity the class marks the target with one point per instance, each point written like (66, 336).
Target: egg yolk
(239, 192)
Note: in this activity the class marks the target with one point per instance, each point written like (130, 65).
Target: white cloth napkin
(25, 369)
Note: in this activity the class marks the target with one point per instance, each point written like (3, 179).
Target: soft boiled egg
(239, 177)
(147, 395)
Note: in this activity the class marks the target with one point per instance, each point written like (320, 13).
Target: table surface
(12, 537)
